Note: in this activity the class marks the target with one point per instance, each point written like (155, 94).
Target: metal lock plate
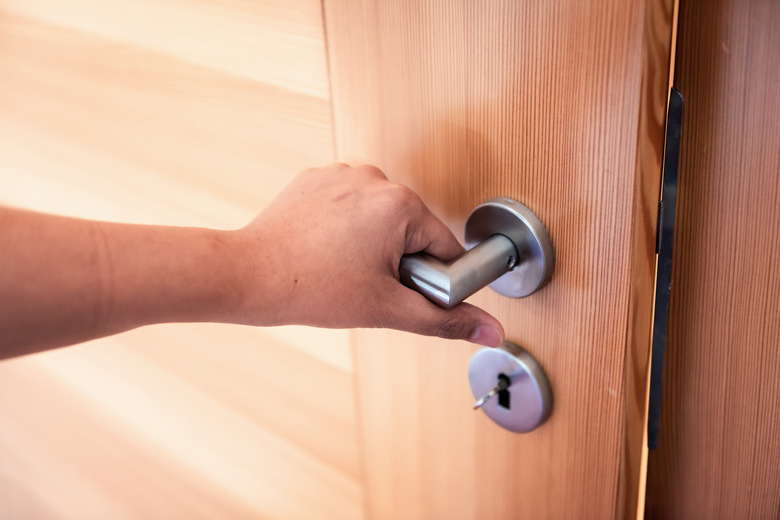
(525, 399)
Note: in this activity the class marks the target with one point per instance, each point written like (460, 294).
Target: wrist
(262, 275)
(214, 278)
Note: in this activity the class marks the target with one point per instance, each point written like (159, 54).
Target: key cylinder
(510, 387)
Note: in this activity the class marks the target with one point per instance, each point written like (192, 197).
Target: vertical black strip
(663, 286)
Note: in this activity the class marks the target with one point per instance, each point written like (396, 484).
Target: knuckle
(377, 314)
(371, 171)
(403, 197)
(453, 328)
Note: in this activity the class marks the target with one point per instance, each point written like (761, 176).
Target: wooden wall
(719, 450)
(186, 113)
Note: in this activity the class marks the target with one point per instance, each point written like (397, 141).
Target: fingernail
(487, 336)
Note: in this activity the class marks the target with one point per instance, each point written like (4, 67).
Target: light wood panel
(275, 42)
(186, 113)
(560, 105)
(195, 422)
(227, 134)
(719, 448)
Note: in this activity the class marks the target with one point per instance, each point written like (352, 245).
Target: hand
(326, 253)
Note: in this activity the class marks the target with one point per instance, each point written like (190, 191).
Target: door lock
(508, 248)
(510, 387)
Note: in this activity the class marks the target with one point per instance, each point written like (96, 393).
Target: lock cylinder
(510, 387)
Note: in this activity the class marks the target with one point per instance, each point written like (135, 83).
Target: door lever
(508, 248)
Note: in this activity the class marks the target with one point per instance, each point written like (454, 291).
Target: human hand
(326, 253)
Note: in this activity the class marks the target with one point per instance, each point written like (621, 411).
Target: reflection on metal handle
(510, 250)
(448, 284)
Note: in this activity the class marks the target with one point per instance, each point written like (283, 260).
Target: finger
(414, 313)
(426, 232)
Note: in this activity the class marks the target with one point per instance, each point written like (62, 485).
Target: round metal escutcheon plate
(529, 401)
(518, 223)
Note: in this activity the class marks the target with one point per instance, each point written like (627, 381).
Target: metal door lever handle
(448, 284)
(509, 249)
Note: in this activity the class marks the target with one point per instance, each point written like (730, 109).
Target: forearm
(65, 280)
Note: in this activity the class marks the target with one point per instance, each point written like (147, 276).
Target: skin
(324, 253)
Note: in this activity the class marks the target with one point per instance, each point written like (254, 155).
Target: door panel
(561, 106)
(718, 449)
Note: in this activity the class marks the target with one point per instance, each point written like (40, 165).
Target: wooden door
(560, 105)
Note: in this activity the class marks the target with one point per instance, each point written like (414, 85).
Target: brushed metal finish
(530, 399)
(509, 249)
(448, 284)
(535, 250)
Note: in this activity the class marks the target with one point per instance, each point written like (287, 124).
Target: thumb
(465, 321)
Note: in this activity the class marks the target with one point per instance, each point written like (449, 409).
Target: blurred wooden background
(183, 113)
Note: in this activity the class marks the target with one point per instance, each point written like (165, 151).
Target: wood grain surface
(557, 104)
(184, 113)
(719, 448)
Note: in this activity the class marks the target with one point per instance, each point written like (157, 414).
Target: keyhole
(504, 395)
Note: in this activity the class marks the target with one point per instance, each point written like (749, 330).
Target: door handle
(508, 248)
